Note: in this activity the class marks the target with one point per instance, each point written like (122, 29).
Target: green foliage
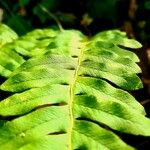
(6, 35)
(49, 5)
(68, 92)
(103, 8)
(9, 60)
(147, 4)
(19, 24)
(24, 15)
(32, 44)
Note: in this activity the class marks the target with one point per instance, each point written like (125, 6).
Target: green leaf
(50, 5)
(147, 5)
(24, 2)
(29, 45)
(118, 37)
(103, 9)
(9, 60)
(19, 23)
(72, 95)
(35, 42)
(6, 35)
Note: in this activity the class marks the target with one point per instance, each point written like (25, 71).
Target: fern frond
(73, 94)
(7, 35)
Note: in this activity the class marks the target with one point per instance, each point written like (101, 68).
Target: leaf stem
(72, 92)
(52, 16)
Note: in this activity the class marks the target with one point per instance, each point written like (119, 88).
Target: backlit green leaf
(71, 93)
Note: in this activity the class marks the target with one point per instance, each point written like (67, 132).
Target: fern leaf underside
(69, 93)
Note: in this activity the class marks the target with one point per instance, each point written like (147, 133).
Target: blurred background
(90, 16)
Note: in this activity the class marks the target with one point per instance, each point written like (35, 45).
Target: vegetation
(70, 78)
(66, 90)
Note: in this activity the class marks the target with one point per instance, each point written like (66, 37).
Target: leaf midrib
(72, 91)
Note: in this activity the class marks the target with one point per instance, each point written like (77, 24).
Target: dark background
(90, 16)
